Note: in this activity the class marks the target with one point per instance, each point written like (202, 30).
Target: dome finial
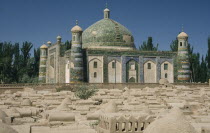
(76, 22)
(106, 4)
(76, 28)
(182, 28)
(106, 12)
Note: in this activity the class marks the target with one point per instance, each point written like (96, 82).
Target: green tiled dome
(107, 33)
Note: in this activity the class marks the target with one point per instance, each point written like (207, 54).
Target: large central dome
(107, 34)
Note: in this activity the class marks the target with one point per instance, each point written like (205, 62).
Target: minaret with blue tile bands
(184, 71)
(76, 67)
(43, 63)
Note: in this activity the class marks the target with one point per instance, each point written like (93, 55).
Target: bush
(64, 88)
(94, 124)
(26, 79)
(84, 91)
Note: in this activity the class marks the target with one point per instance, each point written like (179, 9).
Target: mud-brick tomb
(165, 108)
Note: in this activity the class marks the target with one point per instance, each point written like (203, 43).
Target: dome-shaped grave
(174, 122)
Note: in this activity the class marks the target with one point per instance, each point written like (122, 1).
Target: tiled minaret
(43, 63)
(76, 67)
(183, 58)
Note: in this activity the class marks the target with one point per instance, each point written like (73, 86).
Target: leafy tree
(36, 62)
(26, 67)
(6, 62)
(208, 53)
(148, 46)
(1, 62)
(174, 45)
(195, 67)
(208, 59)
(203, 71)
(16, 62)
(25, 51)
(68, 45)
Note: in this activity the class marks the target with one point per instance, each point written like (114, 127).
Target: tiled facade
(105, 53)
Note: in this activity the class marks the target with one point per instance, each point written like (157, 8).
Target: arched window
(113, 65)
(95, 65)
(117, 126)
(166, 75)
(148, 65)
(94, 38)
(180, 43)
(74, 38)
(95, 74)
(44, 53)
(165, 66)
(133, 67)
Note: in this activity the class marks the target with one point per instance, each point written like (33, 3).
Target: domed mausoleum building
(105, 53)
(107, 34)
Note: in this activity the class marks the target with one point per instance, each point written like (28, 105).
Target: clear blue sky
(39, 21)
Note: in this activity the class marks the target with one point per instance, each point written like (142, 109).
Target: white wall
(98, 70)
(67, 72)
(170, 72)
(150, 74)
(111, 72)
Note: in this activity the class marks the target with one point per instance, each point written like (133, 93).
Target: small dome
(174, 122)
(58, 37)
(44, 46)
(106, 10)
(63, 107)
(111, 107)
(67, 100)
(26, 102)
(76, 29)
(49, 42)
(182, 35)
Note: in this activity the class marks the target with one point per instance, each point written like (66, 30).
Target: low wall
(13, 89)
(19, 87)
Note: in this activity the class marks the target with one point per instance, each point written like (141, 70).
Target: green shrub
(94, 124)
(84, 91)
(81, 91)
(64, 88)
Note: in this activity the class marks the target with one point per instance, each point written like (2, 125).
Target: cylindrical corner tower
(183, 58)
(76, 67)
(43, 63)
(59, 39)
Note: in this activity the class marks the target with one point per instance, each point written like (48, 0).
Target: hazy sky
(39, 21)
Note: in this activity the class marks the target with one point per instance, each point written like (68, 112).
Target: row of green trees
(200, 66)
(18, 65)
